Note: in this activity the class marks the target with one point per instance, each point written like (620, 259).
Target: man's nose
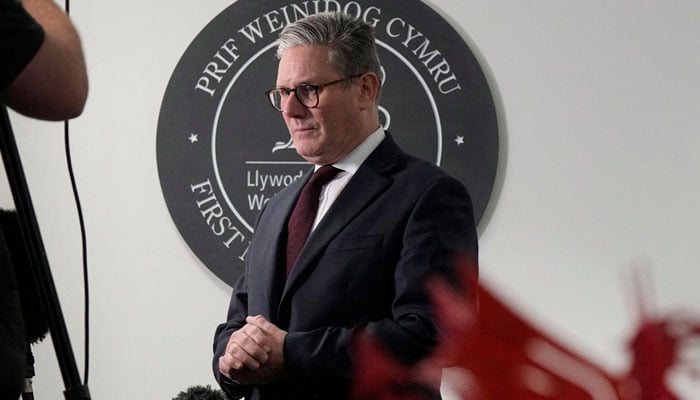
(292, 106)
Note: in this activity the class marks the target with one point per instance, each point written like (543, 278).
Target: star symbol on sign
(193, 138)
(459, 140)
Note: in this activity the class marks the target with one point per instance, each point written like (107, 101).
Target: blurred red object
(503, 356)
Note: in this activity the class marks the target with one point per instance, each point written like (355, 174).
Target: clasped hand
(254, 353)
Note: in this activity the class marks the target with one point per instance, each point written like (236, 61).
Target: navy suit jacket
(361, 272)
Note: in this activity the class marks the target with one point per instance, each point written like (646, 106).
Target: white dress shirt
(347, 166)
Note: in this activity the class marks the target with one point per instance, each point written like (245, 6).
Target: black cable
(83, 237)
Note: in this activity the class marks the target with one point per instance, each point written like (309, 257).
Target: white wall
(600, 153)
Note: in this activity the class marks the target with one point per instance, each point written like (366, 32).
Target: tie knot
(323, 175)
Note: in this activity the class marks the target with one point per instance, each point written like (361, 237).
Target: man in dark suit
(386, 221)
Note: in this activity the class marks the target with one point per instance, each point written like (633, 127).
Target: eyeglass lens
(307, 95)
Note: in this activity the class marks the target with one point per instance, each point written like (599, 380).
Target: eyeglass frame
(317, 89)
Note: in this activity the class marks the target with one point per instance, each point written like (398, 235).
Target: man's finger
(261, 322)
(244, 348)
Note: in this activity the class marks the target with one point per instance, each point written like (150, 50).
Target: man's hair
(352, 49)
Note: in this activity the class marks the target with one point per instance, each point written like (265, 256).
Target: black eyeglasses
(306, 94)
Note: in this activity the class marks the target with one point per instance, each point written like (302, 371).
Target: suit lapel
(367, 183)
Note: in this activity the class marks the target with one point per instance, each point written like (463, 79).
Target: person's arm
(54, 85)
(237, 313)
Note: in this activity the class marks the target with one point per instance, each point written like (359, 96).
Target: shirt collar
(351, 163)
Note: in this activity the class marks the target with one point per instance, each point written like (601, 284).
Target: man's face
(325, 133)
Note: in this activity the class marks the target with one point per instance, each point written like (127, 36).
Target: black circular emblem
(222, 151)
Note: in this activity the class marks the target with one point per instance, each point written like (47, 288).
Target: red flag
(503, 356)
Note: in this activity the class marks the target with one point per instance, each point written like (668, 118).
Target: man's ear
(369, 89)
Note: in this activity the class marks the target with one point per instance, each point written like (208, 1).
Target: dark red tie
(302, 219)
